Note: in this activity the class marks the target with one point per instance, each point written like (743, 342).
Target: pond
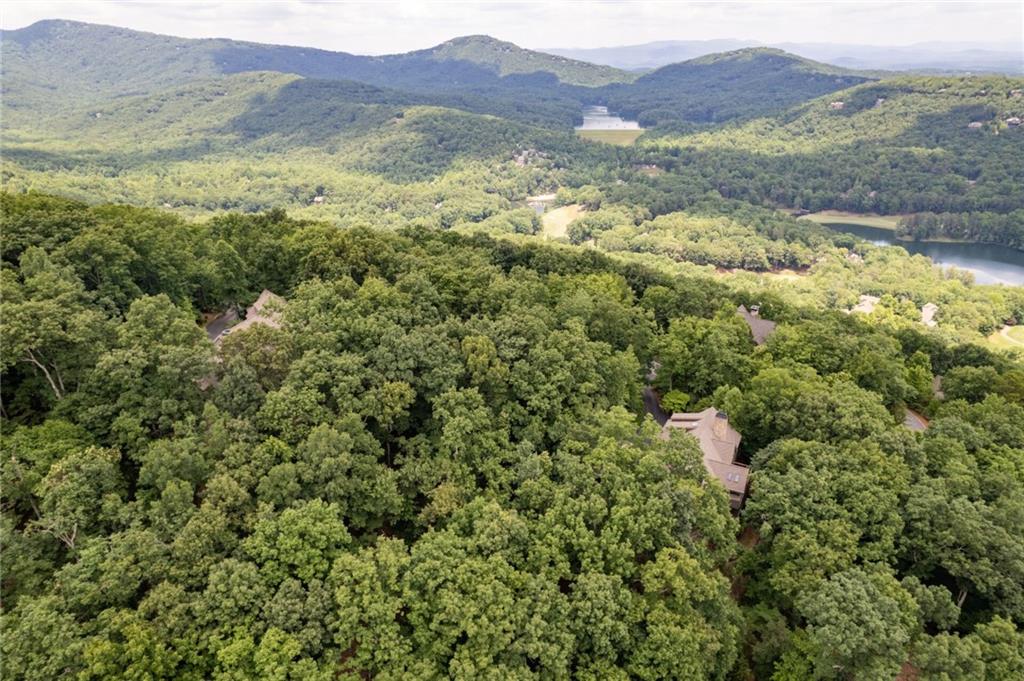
(990, 263)
(598, 118)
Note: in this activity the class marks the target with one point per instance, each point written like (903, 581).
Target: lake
(991, 264)
(598, 118)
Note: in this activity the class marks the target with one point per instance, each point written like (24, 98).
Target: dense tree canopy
(436, 456)
(439, 465)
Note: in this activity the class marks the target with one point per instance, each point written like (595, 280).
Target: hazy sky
(386, 27)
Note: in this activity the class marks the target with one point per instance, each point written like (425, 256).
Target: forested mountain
(93, 63)
(902, 145)
(65, 55)
(935, 56)
(507, 59)
(746, 83)
(432, 450)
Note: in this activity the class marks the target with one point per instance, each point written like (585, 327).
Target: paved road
(652, 406)
(217, 325)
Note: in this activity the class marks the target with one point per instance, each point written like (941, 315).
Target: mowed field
(843, 217)
(622, 138)
(1008, 337)
(556, 221)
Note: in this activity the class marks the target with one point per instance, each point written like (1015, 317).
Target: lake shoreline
(990, 263)
(829, 218)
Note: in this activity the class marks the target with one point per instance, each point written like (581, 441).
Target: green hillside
(507, 59)
(258, 140)
(746, 83)
(897, 146)
(51, 65)
(92, 62)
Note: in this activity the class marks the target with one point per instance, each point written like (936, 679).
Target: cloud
(401, 25)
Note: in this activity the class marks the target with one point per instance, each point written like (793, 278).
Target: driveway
(652, 406)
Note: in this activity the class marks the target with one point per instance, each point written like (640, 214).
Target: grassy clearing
(556, 221)
(838, 216)
(1007, 337)
(622, 138)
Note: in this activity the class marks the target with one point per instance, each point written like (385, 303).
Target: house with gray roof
(719, 443)
(266, 310)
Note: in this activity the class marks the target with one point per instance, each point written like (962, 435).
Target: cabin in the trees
(718, 442)
(865, 305)
(760, 328)
(266, 310)
(928, 313)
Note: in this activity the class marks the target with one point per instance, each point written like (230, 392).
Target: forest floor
(556, 222)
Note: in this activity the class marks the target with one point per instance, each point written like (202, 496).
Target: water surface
(990, 263)
(598, 118)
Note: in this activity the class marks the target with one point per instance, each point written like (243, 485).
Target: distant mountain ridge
(932, 56)
(107, 60)
(749, 82)
(55, 65)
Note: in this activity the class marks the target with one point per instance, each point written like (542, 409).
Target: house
(836, 106)
(718, 443)
(266, 310)
(915, 421)
(760, 328)
(928, 314)
(974, 125)
(317, 200)
(1013, 121)
(865, 304)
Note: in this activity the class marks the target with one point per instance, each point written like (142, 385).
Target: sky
(385, 27)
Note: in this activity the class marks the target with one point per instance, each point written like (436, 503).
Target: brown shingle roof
(266, 310)
(718, 442)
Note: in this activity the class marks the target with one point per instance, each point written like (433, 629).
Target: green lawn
(1007, 337)
(839, 216)
(556, 221)
(622, 138)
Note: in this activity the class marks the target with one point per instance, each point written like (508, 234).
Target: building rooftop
(718, 443)
(928, 314)
(866, 304)
(266, 310)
